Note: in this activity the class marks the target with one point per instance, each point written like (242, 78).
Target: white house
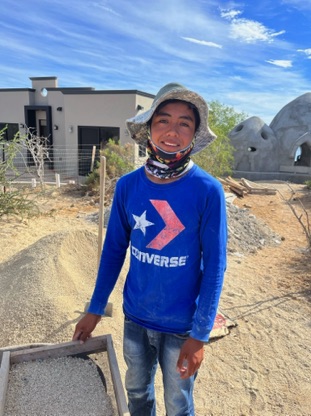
(74, 119)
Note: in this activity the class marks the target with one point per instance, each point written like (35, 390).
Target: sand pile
(42, 287)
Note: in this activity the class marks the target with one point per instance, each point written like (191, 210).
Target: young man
(172, 215)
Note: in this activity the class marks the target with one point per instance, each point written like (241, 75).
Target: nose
(172, 129)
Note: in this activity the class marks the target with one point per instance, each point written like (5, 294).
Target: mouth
(170, 144)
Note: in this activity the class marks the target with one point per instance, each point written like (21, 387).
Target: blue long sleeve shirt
(177, 234)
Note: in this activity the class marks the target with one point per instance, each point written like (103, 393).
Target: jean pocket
(184, 336)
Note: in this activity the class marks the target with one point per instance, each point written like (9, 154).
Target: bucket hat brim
(138, 125)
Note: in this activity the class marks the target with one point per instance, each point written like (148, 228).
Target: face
(173, 127)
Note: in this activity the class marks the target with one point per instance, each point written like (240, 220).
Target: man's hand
(190, 357)
(85, 327)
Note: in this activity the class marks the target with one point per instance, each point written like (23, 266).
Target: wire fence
(63, 165)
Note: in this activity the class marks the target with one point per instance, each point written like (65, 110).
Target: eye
(184, 124)
(162, 121)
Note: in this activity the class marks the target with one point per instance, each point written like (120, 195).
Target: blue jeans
(143, 349)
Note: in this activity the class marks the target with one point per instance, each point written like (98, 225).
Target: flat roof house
(73, 119)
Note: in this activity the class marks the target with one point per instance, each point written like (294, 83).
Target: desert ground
(261, 367)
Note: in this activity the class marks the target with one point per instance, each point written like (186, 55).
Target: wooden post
(116, 379)
(101, 206)
(4, 378)
(93, 158)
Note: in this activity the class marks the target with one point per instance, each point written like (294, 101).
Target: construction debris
(244, 187)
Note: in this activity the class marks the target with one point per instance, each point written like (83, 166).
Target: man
(172, 215)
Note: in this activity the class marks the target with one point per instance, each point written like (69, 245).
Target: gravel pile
(56, 387)
(247, 233)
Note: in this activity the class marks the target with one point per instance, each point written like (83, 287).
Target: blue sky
(253, 56)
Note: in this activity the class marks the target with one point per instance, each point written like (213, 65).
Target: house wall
(270, 152)
(72, 108)
(12, 104)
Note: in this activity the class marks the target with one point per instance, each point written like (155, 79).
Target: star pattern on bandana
(141, 223)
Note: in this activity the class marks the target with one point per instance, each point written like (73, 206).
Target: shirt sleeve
(113, 254)
(213, 236)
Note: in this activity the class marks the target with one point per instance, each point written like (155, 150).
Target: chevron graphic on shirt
(173, 225)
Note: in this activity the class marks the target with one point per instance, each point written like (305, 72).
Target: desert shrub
(217, 159)
(12, 200)
(119, 161)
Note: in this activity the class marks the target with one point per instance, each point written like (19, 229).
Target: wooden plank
(246, 184)
(223, 181)
(12, 348)
(238, 191)
(253, 187)
(4, 379)
(233, 186)
(263, 191)
(235, 183)
(116, 379)
(93, 345)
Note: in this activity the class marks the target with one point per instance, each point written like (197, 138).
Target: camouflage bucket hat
(138, 125)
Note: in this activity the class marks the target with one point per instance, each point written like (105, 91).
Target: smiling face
(173, 126)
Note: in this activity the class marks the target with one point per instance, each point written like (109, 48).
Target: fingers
(182, 368)
(190, 358)
(85, 327)
(76, 335)
(81, 336)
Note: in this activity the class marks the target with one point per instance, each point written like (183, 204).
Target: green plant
(119, 160)
(12, 201)
(9, 148)
(17, 202)
(217, 158)
(308, 184)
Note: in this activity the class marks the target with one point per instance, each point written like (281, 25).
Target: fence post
(57, 178)
(101, 216)
(93, 158)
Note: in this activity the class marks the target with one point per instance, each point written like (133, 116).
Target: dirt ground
(262, 367)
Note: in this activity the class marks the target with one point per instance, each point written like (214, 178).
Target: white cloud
(248, 31)
(279, 62)
(306, 52)
(203, 42)
(230, 14)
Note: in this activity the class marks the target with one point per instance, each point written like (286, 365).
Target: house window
(90, 136)
(9, 130)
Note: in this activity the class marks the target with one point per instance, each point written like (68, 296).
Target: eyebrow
(163, 113)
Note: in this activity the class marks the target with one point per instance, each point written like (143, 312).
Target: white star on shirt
(142, 222)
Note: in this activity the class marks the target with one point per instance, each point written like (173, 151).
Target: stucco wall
(263, 151)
